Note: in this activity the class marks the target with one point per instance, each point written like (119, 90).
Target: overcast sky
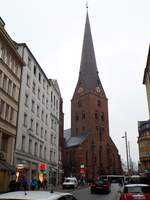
(53, 30)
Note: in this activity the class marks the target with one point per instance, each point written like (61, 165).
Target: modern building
(144, 126)
(37, 144)
(11, 65)
(90, 151)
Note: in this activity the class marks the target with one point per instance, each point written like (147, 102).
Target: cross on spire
(87, 5)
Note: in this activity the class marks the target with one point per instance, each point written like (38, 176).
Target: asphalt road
(83, 193)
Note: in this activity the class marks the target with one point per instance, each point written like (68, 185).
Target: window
(8, 58)
(51, 139)
(102, 116)
(46, 103)
(14, 91)
(42, 115)
(11, 114)
(37, 128)
(28, 80)
(0, 78)
(56, 104)
(79, 104)
(54, 101)
(46, 119)
(5, 83)
(34, 70)
(2, 103)
(29, 62)
(51, 96)
(47, 89)
(41, 132)
(33, 104)
(31, 124)
(38, 110)
(23, 143)
(83, 114)
(35, 148)
(55, 126)
(33, 87)
(25, 120)
(9, 87)
(99, 102)
(45, 153)
(7, 112)
(52, 123)
(38, 93)
(3, 52)
(77, 117)
(44, 83)
(43, 99)
(96, 115)
(39, 77)
(16, 69)
(26, 99)
(45, 135)
(30, 146)
(51, 155)
(54, 155)
(40, 151)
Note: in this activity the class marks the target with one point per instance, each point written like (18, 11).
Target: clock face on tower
(98, 89)
(80, 90)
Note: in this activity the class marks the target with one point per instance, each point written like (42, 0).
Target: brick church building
(89, 150)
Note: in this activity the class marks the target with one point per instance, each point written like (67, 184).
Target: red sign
(42, 167)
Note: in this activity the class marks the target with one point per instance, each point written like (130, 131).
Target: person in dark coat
(39, 184)
(12, 185)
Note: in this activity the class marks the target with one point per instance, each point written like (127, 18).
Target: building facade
(144, 126)
(37, 144)
(90, 151)
(10, 80)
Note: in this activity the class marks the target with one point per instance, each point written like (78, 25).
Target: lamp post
(125, 136)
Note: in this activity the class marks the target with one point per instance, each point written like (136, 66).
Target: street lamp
(125, 136)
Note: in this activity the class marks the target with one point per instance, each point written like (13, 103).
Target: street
(83, 193)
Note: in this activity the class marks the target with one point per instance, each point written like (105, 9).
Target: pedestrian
(44, 184)
(24, 183)
(12, 185)
(33, 183)
(39, 184)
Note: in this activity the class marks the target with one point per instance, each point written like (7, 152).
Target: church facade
(89, 150)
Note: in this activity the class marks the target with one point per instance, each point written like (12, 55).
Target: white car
(70, 182)
(36, 195)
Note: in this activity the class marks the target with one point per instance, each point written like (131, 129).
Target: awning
(5, 166)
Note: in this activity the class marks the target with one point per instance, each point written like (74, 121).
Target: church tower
(90, 151)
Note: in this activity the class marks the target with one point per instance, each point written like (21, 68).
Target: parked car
(135, 192)
(36, 195)
(100, 186)
(70, 182)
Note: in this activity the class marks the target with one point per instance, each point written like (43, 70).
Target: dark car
(100, 186)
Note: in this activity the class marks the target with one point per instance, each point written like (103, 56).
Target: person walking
(39, 184)
(33, 184)
(44, 184)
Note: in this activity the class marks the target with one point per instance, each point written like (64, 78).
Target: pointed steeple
(88, 76)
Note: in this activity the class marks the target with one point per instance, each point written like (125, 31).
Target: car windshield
(69, 180)
(98, 182)
(137, 189)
